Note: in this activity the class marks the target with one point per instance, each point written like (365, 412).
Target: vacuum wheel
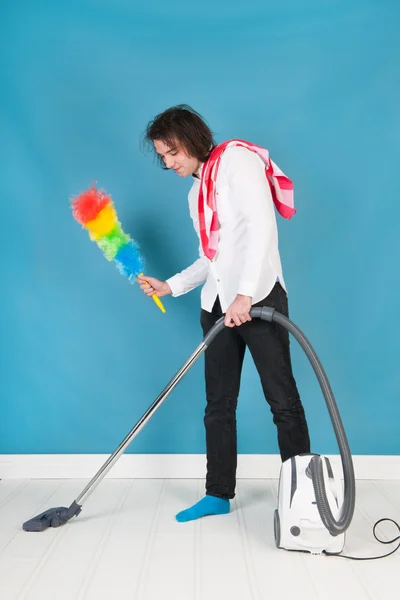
(277, 528)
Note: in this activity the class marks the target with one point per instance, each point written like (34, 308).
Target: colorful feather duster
(95, 211)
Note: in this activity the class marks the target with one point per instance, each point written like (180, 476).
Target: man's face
(176, 158)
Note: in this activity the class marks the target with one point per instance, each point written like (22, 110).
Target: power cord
(375, 536)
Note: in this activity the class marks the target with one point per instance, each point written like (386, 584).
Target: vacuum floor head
(54, 517)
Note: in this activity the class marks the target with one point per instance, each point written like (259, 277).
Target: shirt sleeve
(196, 273)
(189, 278)
(252, 195)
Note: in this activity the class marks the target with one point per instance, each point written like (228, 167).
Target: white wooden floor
(127, 544)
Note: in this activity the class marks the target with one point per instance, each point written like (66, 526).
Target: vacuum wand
(55, 517)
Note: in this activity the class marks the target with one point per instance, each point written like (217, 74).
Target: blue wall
(83, 353)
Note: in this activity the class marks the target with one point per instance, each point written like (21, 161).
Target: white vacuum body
(297, 522)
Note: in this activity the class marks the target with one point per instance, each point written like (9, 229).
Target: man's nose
(169, 161)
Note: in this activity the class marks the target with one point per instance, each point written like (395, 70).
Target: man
(240, 265)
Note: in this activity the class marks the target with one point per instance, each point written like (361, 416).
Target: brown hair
(184, 125)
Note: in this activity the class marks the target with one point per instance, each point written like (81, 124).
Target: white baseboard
(169, 466)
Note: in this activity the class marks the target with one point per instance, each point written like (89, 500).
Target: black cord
(381, 541)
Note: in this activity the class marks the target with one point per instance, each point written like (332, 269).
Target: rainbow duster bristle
(129, 261)
(87, 205)
(95, 211)
(112, 242)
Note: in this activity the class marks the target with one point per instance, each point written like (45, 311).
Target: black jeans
(269, 347)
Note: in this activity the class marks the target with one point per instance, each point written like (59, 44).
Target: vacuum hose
(335, 527)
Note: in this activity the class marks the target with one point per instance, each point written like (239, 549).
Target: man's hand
(151, 286)
(239, 311)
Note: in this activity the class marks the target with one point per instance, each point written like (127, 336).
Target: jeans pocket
(282, 301)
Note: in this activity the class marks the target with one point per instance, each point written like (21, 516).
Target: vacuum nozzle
(54, 517)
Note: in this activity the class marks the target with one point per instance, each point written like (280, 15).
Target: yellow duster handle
(156, 299)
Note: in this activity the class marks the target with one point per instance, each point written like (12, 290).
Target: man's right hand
(151, 286)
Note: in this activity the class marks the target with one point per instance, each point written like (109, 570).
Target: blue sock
(209, 505)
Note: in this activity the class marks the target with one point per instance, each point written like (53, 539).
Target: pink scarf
(281, 189)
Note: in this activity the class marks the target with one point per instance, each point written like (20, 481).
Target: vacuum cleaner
(314, 507)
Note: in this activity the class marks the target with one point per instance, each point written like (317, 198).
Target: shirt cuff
(176, 285)
(246, 288)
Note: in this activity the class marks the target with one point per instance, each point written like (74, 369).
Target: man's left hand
(239, 311)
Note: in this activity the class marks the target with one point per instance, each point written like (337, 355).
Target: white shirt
(247, 261)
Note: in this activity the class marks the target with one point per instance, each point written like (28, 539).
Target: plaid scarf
(281, 189)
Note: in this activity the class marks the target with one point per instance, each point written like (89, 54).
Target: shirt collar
(198, 177)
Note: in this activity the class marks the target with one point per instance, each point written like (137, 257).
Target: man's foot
(209, 505)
